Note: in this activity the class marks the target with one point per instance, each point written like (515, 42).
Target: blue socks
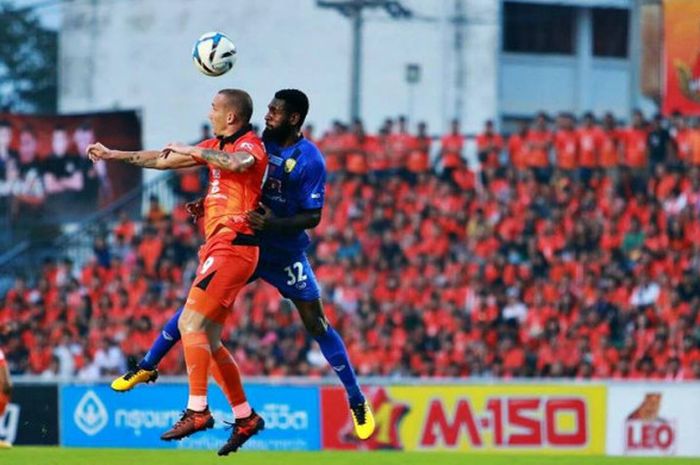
(331, 345)
(166, 340)
(333, 349)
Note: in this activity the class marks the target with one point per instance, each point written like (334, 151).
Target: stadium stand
(570, 251)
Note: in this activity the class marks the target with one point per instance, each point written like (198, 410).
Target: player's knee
(190, 322)
(317, 327)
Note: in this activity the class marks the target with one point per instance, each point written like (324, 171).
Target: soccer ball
(214, 54)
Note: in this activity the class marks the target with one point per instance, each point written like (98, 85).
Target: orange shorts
(224, 269)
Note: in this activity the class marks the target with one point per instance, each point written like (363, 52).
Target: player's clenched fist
(195, 209)
(98, 151)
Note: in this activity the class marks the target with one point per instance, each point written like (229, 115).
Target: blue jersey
(295, 182)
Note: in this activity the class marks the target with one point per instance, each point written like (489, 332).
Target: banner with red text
(518, 418)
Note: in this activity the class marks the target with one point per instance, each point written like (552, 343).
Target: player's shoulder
(209, 143)
(250, 142)
(311, 154)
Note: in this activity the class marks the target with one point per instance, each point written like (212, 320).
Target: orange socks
(4, 400)
(228, 377)
(197, 358)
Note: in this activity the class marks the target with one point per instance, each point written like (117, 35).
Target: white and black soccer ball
(214, 54)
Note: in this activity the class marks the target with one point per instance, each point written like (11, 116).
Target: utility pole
(353, 9)
(459, 20)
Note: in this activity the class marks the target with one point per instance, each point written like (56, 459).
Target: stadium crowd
(572, 250)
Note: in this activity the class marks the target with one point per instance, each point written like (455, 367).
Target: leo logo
(247, 146)
(90, 414)
(646, 431)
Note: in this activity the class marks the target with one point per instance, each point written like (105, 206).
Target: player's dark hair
(241, 101)
(295, 101)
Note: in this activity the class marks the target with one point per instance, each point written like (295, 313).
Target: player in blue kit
(292, 201)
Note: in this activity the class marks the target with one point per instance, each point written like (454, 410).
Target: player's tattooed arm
(236, 161)
(145, 159)
(142, 158)
(230, 161)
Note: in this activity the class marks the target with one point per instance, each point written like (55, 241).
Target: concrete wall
(136, 54)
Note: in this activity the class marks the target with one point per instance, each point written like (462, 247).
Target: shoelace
(233, 439)
(133, 369)
(359, 411)
(229, 425)
(183, 419)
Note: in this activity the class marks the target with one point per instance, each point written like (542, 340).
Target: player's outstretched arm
(230, 161)
(143, 158)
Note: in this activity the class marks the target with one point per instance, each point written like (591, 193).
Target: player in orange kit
(237, 167)
(5, 391)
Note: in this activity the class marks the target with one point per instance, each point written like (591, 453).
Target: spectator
(451, 151)
(489, 145)
(658, 143)
(539, 145)
(425, 276)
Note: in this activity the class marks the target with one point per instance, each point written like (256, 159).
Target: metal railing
(76, 239)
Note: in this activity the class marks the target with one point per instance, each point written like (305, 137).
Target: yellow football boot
(363, 419)
(134, 376)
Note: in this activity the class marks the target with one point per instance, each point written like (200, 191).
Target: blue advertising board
(96, 416)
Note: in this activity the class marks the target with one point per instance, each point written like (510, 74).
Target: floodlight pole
(356, 65)
(353, 9)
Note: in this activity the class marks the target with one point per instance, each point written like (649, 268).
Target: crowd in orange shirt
(567, 257)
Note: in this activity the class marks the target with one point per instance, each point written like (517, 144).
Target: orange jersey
(452, 150)
(231, 195)
(609, 148)
(537, 142)
(566, 149)
(683, 145)
(495, 141)
(589, 142)
(694, 142)
(635, 148)
(518, 150)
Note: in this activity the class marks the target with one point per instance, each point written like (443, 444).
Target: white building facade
(479, 59)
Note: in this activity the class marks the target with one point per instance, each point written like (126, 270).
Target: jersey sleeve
(205, 144)
(312, 185)
(256, 149)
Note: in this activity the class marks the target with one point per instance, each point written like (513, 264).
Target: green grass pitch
(67, 456)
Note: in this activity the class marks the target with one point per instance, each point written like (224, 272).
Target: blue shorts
(290, 274)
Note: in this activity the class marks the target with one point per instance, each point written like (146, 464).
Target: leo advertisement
(682, 56)
(500, 418)
(654, 420)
